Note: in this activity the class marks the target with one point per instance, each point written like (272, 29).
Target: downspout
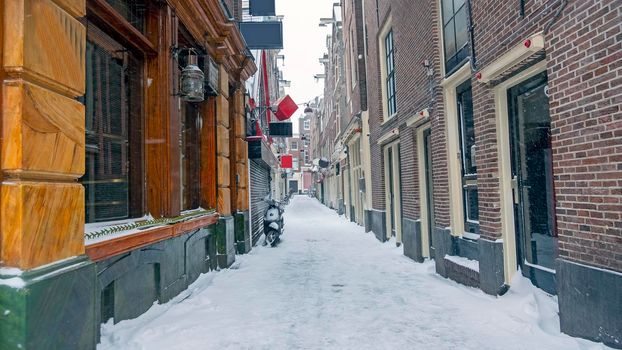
(472, 60)
(555, 17)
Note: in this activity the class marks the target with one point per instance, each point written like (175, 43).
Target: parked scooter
(273, 221)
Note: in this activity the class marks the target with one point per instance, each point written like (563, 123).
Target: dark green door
(532, 181)
(427, 142)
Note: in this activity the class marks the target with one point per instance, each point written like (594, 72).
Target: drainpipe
(556, 17)
(471, 36)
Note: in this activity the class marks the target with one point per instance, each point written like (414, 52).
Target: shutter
(260, 186)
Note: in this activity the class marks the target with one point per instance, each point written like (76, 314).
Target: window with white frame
(455, 32)
(387, 71)
(294, 146)
(307, 124)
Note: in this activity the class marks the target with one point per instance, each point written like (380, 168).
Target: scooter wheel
(272, 237)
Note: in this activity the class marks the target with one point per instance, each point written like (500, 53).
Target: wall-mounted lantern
(191, 80)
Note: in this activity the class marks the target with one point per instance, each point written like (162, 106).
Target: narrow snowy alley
(330, 285)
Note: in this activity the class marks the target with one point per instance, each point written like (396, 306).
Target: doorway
(426, 189)
(532, 181)
(427, 149)
(393, 191)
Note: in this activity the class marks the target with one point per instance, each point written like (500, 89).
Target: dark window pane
(471, 201)
(450, 40)
(455, 33)
(190, 156)
(467, 128)
(134, 11)
(461, 28)
(448, 10)
(109, 106)
(390, 79)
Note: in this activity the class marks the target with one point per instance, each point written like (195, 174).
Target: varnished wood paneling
(224, 201)
(238, 100)
(42, 222)
(240, 146)
(242, 199)
(45, 43)
(242, 172)
(105, 16)
(76, 8)
(222, 111)
(240, 129)
(208, 154)
(42, 131)
(162, 143)
(243, 153)
(222, 136)
(223, 83)
(224, 171)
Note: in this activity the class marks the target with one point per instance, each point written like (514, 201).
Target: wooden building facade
(115, 192)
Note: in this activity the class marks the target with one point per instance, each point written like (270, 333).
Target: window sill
(471, 236)
(124, 242)
(384, 122)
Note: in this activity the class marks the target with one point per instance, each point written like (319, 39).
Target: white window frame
(386, 28)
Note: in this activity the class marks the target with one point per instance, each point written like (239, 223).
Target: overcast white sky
(304, 43)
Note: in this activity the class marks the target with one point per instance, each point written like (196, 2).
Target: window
(353, 61)
(388, 61)
(467, 152)
(455, 32)
(307, 124)
(190, 156)
(294, 146)
(133, 11)
(190, 120)
(113, 178)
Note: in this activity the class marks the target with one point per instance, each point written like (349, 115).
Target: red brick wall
(585, 78)
(374, 18)
(498, 27)
(584, 51)
(415, 42)
(584, 55)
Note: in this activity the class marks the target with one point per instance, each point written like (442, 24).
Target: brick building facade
(495, 135)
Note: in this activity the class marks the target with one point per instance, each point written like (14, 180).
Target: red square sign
(287, 161)
(285, 108)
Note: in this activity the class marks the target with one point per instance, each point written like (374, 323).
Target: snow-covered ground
(330, 285)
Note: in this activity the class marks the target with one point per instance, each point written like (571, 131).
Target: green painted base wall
(53, 309)
(243, 242)
(225, 241)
